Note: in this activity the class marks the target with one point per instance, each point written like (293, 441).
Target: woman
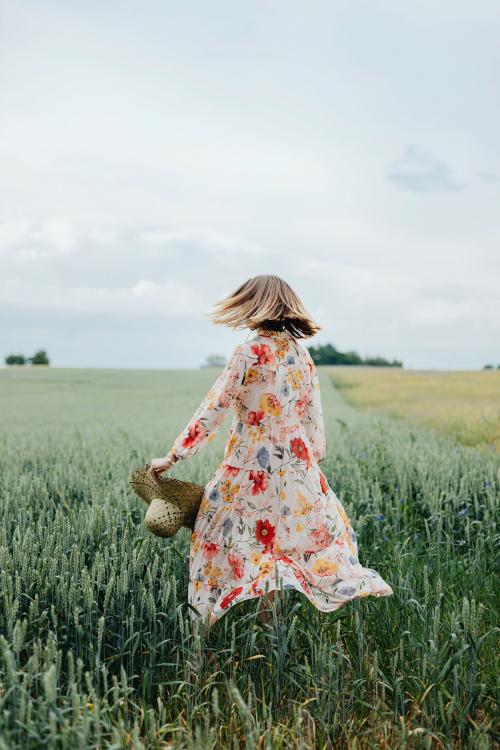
(268, 518)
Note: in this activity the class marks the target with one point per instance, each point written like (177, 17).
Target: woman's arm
(313, 416)
(205, 422)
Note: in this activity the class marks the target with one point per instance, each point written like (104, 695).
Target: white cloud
(146, 298)
(437, 313)
(421, 171)
(28, 240)
(144, 288)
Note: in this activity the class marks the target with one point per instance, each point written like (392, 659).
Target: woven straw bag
(172, 502)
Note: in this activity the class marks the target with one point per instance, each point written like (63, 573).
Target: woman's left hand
(158, 466)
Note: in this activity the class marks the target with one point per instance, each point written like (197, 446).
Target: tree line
(39, 358)
(328, 354)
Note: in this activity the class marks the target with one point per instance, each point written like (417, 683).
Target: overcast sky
(155, 155)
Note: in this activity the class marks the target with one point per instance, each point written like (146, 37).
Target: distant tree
(488, 366)
(328, 354)
(39, 358)
(15, 359)
(382, 362)
(215, 360)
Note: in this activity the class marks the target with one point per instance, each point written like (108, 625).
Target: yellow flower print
(255, 558)
(300, 526)
(304, 507)
(204, 505)
(213, 582)
(207, 568)
(252, 375)
(195, 541)
(266, 567)
(324, 567)
(197, 585)
(211, 399)
(282, 495)
(229, 490)
(256, 433)
(270, 404)
(281, 472)
(343, 515)
(277, 547)
(231, 443)
(281, 348)
(295, 378)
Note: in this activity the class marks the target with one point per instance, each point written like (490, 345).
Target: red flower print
(263, 353)
(257, 589)
(285, 558)
(300, 406)
(322, 480)
(229, 597)
(255, 417)
(265, 532)
(231, 471)
(302, 580)
(260, 481)
(195, 433)
(300, 449)
(322, 536)
(237, 564)
(210, 549)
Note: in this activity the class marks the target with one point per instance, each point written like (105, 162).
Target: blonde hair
(265, 302)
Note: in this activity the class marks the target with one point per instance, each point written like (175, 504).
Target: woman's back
(277, 405)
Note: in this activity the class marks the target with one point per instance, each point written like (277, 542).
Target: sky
(156, 155)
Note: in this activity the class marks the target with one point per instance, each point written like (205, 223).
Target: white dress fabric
(268, 518)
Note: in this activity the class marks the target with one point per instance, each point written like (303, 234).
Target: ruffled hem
(292, 580)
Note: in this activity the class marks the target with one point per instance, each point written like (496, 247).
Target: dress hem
(382, 589)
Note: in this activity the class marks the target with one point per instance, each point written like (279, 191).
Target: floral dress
(268, 518)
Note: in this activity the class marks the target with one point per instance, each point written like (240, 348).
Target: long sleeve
(210, 414)
(313, 417)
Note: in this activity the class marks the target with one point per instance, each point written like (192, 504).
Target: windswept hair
(265, 302)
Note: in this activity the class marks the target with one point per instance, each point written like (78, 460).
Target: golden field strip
(465, 404)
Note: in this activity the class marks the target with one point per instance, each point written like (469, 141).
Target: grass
(465, 404)
(95, 642)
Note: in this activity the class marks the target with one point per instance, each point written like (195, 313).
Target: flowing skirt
(257, 531)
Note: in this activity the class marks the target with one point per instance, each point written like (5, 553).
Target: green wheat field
(96, 649)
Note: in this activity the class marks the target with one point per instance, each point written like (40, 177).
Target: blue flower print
(347, 591)
(263, 457)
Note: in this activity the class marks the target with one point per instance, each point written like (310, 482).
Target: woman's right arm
(205, 422)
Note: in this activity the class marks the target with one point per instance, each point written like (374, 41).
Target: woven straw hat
(172, 502)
